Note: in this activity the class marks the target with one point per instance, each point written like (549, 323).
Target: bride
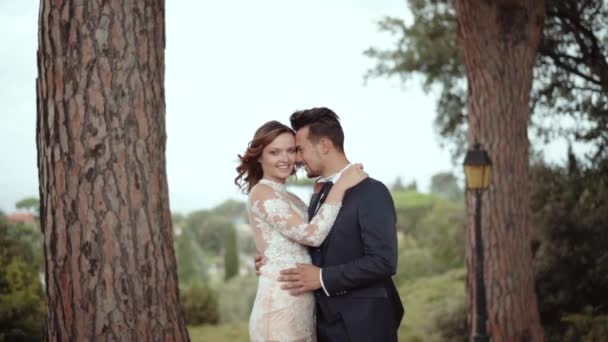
(282, 231)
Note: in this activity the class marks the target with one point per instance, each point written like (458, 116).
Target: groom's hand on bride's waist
(302, 278)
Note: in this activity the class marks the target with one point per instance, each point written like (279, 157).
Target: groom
(351, 273)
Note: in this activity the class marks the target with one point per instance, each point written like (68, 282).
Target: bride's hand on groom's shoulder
(352, 176)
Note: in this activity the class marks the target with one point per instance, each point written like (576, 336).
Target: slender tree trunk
(110, 265)
(500, 40)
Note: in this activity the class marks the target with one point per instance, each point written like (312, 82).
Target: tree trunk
(110, 266)
(500, 40)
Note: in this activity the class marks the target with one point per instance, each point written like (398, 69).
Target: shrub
(451, 322)
(22, 306)
(200, 306)
(569, 223)
(22, 303)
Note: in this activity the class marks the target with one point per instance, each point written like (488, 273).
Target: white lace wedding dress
(281, 230)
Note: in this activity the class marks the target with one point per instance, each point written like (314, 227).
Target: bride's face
(279, 157)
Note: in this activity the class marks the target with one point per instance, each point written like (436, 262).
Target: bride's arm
(281, 216)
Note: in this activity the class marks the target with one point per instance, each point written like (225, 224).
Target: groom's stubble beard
(311, 173)
(302, 166)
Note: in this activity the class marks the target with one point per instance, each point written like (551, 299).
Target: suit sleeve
(377, 220)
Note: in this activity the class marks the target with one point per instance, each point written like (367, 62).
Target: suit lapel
(318, 199)
(324, 192)
(314, 201)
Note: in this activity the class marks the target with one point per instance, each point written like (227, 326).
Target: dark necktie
(317, 200)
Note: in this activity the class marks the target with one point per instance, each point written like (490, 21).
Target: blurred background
(233, 65)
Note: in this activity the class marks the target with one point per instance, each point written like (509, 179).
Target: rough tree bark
(500, 40)
(110, 266)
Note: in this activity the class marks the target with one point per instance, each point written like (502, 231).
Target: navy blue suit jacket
(358, 258)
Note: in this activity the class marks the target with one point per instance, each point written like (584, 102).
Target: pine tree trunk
(110, 266)
(500, 40)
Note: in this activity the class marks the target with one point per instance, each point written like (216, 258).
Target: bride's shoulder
(261, 191)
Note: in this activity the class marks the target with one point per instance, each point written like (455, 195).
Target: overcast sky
(231, 66)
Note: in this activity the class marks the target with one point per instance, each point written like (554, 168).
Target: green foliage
(397, 185)
(571, 73)
(30, 203)
(442, 229)
(417, 263)
(428, 298)
(207, 229)
(445, 185)
(569, 207)
(246, 244)
(191, 265)
(439, 244)
(204, 237)
(22, 305)
(570, 76)
(451, 321)
(219, 333)
(585, 328)
(235, 211)
(430, 271)
(412, 186)
(410, 207)
(200, 305)
(410, 199)
(231, 254)
(24, 240)
(437, 227)
(236, 299)
(428, 47)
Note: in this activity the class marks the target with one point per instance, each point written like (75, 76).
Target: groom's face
(308, 154)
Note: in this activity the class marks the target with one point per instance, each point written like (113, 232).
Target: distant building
(24, 217)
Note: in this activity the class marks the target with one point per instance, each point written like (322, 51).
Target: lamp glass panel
(486, 176)
(475, 176)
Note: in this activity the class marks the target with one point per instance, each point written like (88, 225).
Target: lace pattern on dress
(279, 221)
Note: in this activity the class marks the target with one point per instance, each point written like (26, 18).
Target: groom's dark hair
(323, 122)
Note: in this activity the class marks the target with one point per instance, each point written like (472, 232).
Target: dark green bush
(22, 303)
(451, 322)
(570, 227)
(200, 306)
(586, 328)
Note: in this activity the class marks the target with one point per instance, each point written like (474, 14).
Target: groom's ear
(325, 145)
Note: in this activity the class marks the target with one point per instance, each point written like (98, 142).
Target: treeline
(214, 250)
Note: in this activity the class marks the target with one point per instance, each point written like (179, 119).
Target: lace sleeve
(281, 216)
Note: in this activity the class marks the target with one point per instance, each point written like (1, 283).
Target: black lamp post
(477, 167)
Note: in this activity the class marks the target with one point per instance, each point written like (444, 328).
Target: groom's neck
(334, 164)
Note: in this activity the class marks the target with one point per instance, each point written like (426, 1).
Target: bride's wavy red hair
(249, 169)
